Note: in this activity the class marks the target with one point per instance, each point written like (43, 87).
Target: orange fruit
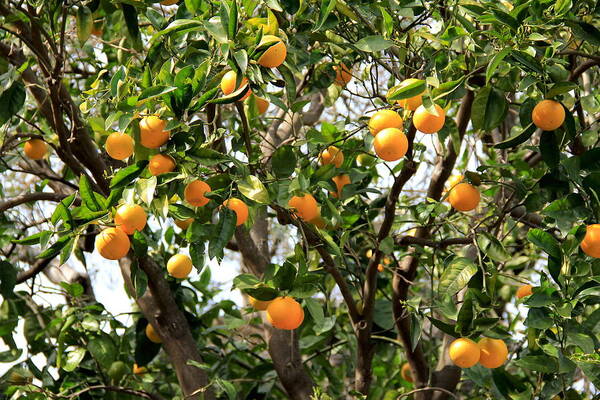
(119, 145)
(137, 370)
(464, 197)
(152, 335)
(184, 223)
(240, 208)
(152, 132)
(35, 149)
(524, 291)
(406, 373)
(411, 103)
(112, 243)
(262, 105)
(179, 266)
(306, 206)
(228, 84)
(285, 313)
(493, 352)
(390, 144)
(380, 267)
(343, 75)
(591, 242)
(259, 305)
(340, 181)
(194, 193)
(130, 218)
(464, 352)
(168, 2)
(161, 164)
(429, 123)
(548, 115)
(383, 119)
(331, 155)
(275, 55)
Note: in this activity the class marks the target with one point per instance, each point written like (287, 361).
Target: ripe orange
(194, 193)
(380, 267)
(524, 291)
(340, 181)
(259, 305)
(275, 55)
(343, 75)
(406, 373)
(184, 223)
(262, 105)
(119, 145)
(464, 352)
(112, 243)
(591, 242)
(548, 115)
(306, 206)
(137, 370)
(152, 132)
(331, 155)
(240, 208)
(152, 335)
(130, 218)
(493, 352)
(285, 313)
(390, 144)
(168, 2)
(429, 123)
(464, 197)
(35, 149)
(412, 103)
(161, 164)
(179, 266)
(228, 84)
(383, 119)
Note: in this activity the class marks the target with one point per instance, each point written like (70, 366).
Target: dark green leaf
(87, 194)
(223, 233)
(489, 109)
(526, 61)
(400, 92)
(519, 138)
(8, 279)
(285, 276)
(372, 44)
(11, 101)
(538, 363)
(549, 149)
(545, 241)
(456, 276)
(128, 174)
(283, 161)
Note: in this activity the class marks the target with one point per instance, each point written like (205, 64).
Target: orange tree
(314, 142)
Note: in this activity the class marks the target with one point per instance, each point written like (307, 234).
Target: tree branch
(29, 197)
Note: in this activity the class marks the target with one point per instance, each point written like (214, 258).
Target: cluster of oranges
(465, 353)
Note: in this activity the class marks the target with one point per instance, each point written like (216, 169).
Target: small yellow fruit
(383, 119)
(35, 149)
(152, 335)
(548, 115)
(429, 123)
(119, 146)
(130, 218)
(464, 352)
(306, 206)
(464, 197)
(524, 291)
(285, 313)
(153, 133)
(179, 266)
(331, 155)
(239, 207)
(161, 164)
(259, 305)
(591, 242)
(195, 191)
(390, 144)
(493, 352)
(340, 181)
(275, 55)
(228, 84)
(112, 243)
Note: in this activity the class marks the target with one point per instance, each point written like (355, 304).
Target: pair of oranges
(335, 156)
(113, 243)
(465, 353)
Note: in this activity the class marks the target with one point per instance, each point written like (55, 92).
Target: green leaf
(444, 327)
(539, 318)
(179, 25)
(223, 233)
(8, 279)
(87, 194)
(263, 293)
(545, 364)
(139, 280)
(489, 109)
(285, 276)
(456, 276)
(128, 174)
(506, 19)
(326, 8)
(103, 349)
(253, 188)
(526, 61)
(545, 241)
(232, 25)
(153, 92)
(494, 63)
(585, 31)
(517, 139)
(140, 244)
(549, 149)
(74, 358)
(372, 44)
(208, 157)
(245, 281)
(84, 22)
(33, 239)
(562, 7)
(400, 92)
(11, 101)
(316, 310)
(53, 250)
(284, 161)
(492, 247)
(465, 317)
(560, 88)
(131, 21)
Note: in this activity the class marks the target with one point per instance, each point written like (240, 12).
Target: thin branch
(426, 389)
(28, 197)
(117, 389)
(35, 269)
